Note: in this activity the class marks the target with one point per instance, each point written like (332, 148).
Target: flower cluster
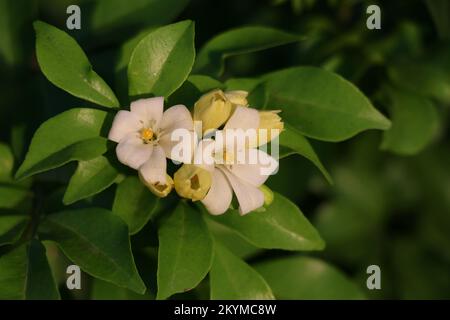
(222, 150)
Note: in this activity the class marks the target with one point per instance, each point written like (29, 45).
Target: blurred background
(388, 206)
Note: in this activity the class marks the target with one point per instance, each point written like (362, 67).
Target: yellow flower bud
(212, 109)
(192, 182)
(268, 194)
(270, 120)
(237, 97)
(159, 190)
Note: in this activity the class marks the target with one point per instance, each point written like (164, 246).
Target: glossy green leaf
(233, 279)
(65, 64)
(293, 142)
(415, 121)
(102, 290)
(298, 277)
(281, 225)
(71, 135)
(321, 104)
(97, 241)
(121, 66)
(11, 227)
(238, 41)
(25, 274)
(91, 177)
(118, 14)
(162, 60)
(192, 89)
(233, 241)
(134, 203)
(185, 251)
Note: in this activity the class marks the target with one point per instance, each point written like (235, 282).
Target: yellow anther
(147, 135)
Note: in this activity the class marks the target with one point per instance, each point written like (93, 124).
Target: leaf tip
(20, 174)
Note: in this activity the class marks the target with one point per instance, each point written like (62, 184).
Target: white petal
(132, 152)
(243, 118)
(258, 167)
(154, 169)
(249, 197)
(204, 154)
(178, 145)
(177, 130)
(219, 196)
(124, 123)
(176, 117)
(149, 111)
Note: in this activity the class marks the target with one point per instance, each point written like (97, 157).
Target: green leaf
(134, 203)
(247, 84)
(121, 67)
(162, 60)
(293, 142)
(15, 17)
(233, 279)
(185, 251)
(6, 163)
(118, 14)
(415, 121)
(14, 197)
(102, 290)
(425, 77)
(298, 277)
(440, 11)
(281, 225)
(97, 241)
(233, 241)
(12, 227)
(65, 64)
(25, 274)
(192, 89)
(91, 177)
(71, 135)
(321, 104)
(238, 41)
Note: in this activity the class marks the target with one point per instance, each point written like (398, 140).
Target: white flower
(230, 175)
(144, 139)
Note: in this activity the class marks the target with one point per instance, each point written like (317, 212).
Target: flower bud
(212, 109)
(237, 97)
(192, 182)
(270, 120)
(158, 189)
(268, 194)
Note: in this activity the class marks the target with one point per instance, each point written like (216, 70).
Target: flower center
(195, 182)
(147, 135)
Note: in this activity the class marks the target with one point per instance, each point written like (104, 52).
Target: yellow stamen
(147, 135)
